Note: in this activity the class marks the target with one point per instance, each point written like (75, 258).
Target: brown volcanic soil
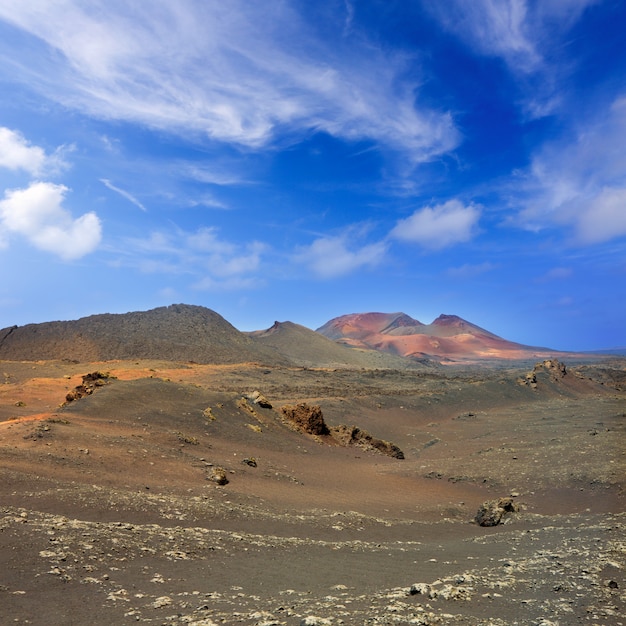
(110, 516)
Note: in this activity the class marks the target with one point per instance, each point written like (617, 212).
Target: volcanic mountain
(448, 337)
(178, 332)
(307, 348)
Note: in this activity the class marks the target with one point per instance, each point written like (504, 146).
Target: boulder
(491, 512)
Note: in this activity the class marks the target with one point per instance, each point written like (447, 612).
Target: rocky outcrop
(354, 436)
(90, 383)
(553, 369)
(306, 418)
(309, 419)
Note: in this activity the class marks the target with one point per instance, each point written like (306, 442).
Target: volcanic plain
(338, 488)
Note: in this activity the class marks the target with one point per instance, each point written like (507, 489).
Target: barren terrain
(112, 512)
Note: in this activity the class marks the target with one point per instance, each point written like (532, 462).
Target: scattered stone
(161, 602)
(491, 512)
(312, 620)
(251, 462)
(218, 476)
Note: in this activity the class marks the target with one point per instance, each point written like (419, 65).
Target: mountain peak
(448, 336)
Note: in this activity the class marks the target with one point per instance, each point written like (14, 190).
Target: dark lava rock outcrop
(309, 419)
(90, 383)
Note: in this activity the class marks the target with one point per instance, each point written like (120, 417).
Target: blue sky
(292, 160)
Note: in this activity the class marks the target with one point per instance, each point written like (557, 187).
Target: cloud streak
(235, 71)
(125, 194)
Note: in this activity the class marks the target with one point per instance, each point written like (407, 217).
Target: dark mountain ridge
(178, 332)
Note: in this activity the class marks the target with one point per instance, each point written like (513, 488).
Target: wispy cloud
(526, 35)
(439, 226)
(123, 193)
(556, 273)
(469, 270)
(515, 30)
(37, 213)
(209, 261)
(579, 182)
(236, 72)
(493, 27)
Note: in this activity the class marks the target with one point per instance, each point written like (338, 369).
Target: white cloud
(329, 257)
(37, 213)
(237, 71)
(439, 226)
(18, 154)
(580, 182)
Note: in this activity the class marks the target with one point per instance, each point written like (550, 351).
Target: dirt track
(110, 516)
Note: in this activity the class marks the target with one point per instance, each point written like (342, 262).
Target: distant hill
(307, 348)
(447, 337)
(178, 332)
